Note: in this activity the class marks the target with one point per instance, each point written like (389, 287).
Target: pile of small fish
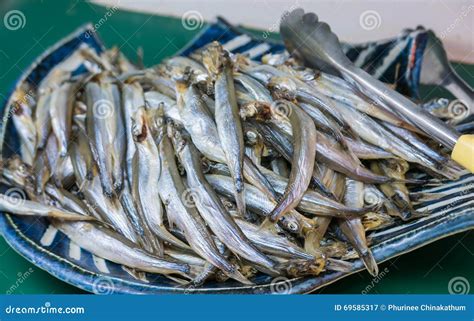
(214, 166)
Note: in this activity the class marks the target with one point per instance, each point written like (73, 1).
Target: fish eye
(293, 226)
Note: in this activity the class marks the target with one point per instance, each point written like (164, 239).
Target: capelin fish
(14, 171)
(353, 228)
(46, 163)
(156, 100)
(105, 127)
(307, 81)
(155, 78)
(292, 88)
(229, 127)
(22, 207)
(342, 162)
(106, 243)
(45, 102)
(328, 176)
(397, 192)
(199, 73)
(145, 238)
(324, 123)
(83, 148)
(146, 174)
(261, 204)
(100, 138)
(119, 141)
(61, 111)
(314, 202)
(370, 131)
(345, 93)
(254, 88)
(338, 158)
(283, 145)
(109, 209)
(211, 208)
(293, 222)
(22, 119)
(67, 200)
(446, 165)
(182, 213)
(133, 98)
(365, 150)
(198, 122)
(271, 243)
(373, 196)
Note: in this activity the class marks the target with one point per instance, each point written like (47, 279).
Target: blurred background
(352, 20)
(156, 28)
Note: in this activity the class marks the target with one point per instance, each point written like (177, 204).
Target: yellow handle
(463, 152)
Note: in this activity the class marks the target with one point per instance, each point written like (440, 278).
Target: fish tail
(369, 262)
(338, 265)
(235, 274)
(166, 236)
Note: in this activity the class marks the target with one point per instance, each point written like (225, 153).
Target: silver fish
(183, 213)
(106, 243)
(18, 206)
(146, 174)
(353, 228)
(229, 127)
(211, 208)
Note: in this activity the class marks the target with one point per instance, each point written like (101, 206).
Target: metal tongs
(314, 42)
(437, 70)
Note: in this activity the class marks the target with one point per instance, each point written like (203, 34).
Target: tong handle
(463, 152)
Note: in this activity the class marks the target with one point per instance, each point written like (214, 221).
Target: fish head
(282, 88)
(215, 58)
(16, 171)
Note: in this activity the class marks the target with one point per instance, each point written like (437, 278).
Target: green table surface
(426, 270)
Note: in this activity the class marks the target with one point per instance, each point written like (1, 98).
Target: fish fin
(268, 225)
(338, 265)
(311, 243)
(139, 275)
(178, 280)
(166, 236)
